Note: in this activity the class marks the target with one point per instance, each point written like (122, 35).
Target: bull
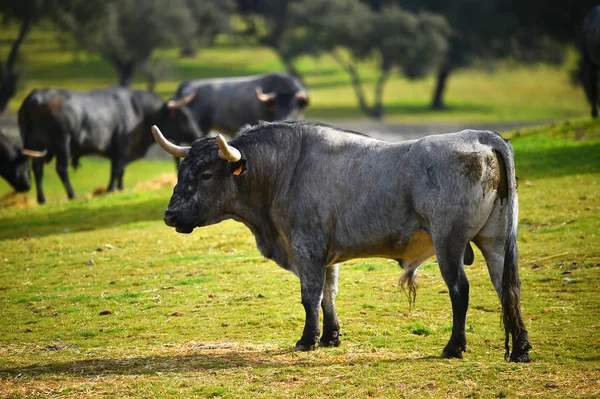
(14, 164)
(227, 104)
(590, 61)
(113, 123)
(314, 196)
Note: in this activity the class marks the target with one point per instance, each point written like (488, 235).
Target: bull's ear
(237, 168)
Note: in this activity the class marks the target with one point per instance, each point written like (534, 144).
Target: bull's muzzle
(171, 220)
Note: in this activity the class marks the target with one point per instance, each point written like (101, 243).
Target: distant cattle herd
(115, 122)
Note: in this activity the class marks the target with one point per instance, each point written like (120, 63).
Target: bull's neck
(263, 193)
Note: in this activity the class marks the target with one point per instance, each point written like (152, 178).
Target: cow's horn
(226, 151)
(33, 154)
(265, 97)
(166, 145)
(172, 104)
(302, 95)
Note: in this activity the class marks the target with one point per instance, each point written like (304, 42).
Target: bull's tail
(511, 284)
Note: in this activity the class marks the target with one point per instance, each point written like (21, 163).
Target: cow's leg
(117, 169)
(449, 251)
(491, 242)
(62, 169)
(37, 165)
(312, 282)
(331, 327)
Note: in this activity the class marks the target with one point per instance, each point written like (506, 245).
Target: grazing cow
(590, 63)
(227, 104)
(314, 196)
(111, 122)
(14, 164)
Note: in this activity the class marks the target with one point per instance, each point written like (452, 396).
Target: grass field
(100, 299)
(511, 92)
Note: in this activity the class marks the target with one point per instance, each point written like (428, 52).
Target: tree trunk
(126, 71)
(357, 85)
(440, 87)
(381, 81)
(8, 76)
(291, 68)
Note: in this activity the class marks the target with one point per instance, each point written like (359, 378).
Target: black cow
(590, 52)
(14, 164)
(315, 196)
(111, 122)
(227, 104)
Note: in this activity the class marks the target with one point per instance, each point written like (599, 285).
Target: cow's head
(282, 98)
(205, 186)
(179, 121)
(14, 164)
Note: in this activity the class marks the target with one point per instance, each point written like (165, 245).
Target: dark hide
(227, 104)
(14, 167)
(113, 123)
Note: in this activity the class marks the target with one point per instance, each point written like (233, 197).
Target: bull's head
(14, 166)
(205, 186)
(179, 120)
(283, 106)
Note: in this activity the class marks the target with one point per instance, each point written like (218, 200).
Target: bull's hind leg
(449, 250)
(331, 327)
(491, 241)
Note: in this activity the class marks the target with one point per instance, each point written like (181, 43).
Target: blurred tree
(351, 32)
(212, 17)
(128, 32)
(269, 21)
(25, 13)
(529, 31)
(80, 13)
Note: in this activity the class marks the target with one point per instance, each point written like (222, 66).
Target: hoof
(330, 339)
(520, 353)
(451, 352)
(522, 358)
(302, 346)
(329, 342)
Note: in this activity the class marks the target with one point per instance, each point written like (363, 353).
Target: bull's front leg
(312, 281)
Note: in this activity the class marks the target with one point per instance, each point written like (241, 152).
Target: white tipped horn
(166, 145)
(172, 104)
(265, 97)
(302, 95)
(33, 154)
(226, 151)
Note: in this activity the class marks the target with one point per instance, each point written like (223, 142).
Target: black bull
(110, 122)
(227, 104)
(315, 196)
(14, 164)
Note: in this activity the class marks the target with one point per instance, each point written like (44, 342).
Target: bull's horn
(265, 97)
(33, 154)
(166, 145)
(226, 151)
(172, 104)
(302, 95)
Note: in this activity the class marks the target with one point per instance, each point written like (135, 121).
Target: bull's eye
(205, 176)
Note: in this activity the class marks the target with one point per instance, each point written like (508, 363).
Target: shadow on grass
(78, 217)
(200, 360)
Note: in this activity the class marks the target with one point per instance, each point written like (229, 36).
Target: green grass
(511, 92)
(187, 316)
